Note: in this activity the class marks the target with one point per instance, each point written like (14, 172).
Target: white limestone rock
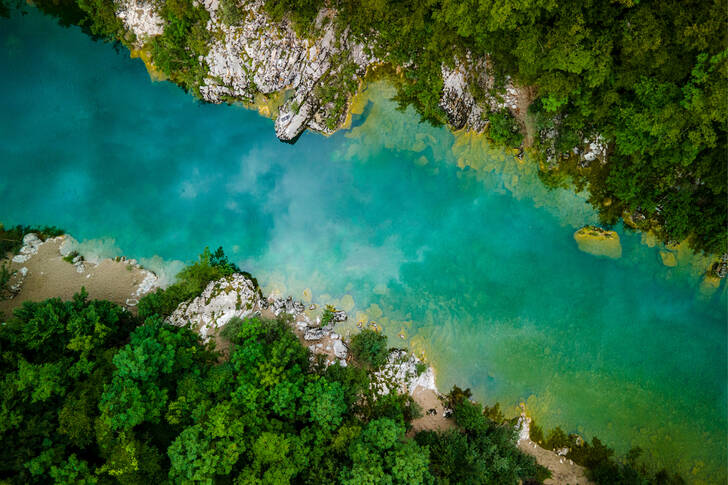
(228, 297)
(314, 334)
(262, 56)
(523, 427)
(150, 282)
(31, 244)
(400, 372)
(457, 99)
(340, 350)
(140, 17)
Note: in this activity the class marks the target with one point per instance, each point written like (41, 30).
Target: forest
(648, 79)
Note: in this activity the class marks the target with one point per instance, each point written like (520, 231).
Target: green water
(438, 236)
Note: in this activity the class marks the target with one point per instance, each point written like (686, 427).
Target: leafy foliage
(328, 315)
(5, 275)
(648, 77)
(229, 12)
(369, 348)
(11, 239)
(185, 40)
(602, 466)
(503, 129)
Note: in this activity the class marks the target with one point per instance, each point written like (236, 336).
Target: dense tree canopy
(93, 395)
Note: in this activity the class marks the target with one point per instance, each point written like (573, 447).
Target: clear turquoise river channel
(431, 234)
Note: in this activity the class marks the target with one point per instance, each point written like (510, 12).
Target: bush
(503, 129)
(5, 275)
(229, 12)
(328, 315)
(369, 348)
(457, 396)
(463, 455)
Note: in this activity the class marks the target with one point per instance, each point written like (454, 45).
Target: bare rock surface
(140, 17)
(401, 373)
(260, 57)
(232, 296)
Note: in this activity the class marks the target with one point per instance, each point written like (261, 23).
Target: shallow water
(455, 244)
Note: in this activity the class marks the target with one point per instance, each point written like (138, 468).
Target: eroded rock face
(232, 296)
(457, 100)
(262, 56)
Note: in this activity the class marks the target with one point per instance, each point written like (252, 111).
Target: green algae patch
(599, 242)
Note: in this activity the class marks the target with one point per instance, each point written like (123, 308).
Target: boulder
(314, 334)
(31, 244)
(340, 350)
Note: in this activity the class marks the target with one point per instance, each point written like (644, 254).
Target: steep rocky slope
(313, 78)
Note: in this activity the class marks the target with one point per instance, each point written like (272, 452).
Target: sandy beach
(46, 274)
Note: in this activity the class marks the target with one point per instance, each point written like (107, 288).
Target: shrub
(503, 129)
(229, 12)
(328, 315)
(5, 275)
(369, 348)
(11, 240)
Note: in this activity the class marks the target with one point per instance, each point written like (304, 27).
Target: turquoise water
(435, 235)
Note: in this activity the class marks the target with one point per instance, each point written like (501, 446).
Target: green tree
(369, 348)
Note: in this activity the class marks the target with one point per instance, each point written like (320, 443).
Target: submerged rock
(668, 258)
(599, 242)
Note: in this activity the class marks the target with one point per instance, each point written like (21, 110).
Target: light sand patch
(49, 276)
(428, 399)
(563, 470)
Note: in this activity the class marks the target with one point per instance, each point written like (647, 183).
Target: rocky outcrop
(141, 18)
(306, 77)
(31, 244)
(457, 100)
(401, 373)
(262, 56)
(232, 296)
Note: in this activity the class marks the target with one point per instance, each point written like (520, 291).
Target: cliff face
(314, 76)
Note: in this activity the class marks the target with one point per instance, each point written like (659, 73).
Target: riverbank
(43, 270)
(312, 58)
(53, 269)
